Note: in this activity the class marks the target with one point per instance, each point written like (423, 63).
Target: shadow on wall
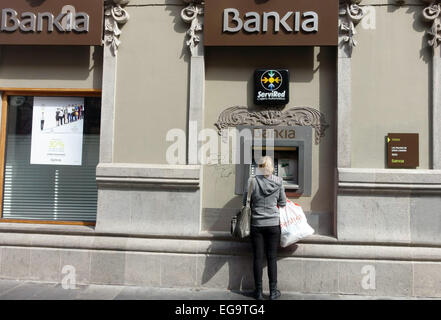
(426, 54)
(419, 25)
(179, 26)
(218, 219)
(35, 3)
(237, 267)
(97, 67)
(324, 200)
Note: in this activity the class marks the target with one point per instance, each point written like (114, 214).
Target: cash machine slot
(286, 165)
(292, 155)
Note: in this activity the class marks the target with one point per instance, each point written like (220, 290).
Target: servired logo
(271, 80)
(271, 87)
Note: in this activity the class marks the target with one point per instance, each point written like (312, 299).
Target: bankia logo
(51, 22)
(35, 22)
(271, 80)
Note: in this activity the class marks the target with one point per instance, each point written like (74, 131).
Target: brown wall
(51, 67)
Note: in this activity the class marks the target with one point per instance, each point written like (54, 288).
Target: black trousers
(265, 239)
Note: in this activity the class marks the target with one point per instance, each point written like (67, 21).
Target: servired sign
(51, 22)
(271, 23)
(271, 87)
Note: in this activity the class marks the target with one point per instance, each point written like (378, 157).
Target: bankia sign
(271, 23)
(51, 22)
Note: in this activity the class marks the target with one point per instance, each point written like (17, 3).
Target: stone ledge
(136, 170)
(132, 174)
(221, 247)
(46, 228)
(63, 230)
(394, 187)
(354, 178)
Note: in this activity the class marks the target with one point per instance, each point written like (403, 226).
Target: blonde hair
(266, 164)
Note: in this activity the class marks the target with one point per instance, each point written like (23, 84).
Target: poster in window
(57, 131)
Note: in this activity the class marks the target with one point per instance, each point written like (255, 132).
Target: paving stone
(6, 285)
(57, 292)
(25, 291)
(99, 292)
(20, 290)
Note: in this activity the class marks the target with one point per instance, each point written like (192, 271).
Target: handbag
(241, 223)
(293, 224)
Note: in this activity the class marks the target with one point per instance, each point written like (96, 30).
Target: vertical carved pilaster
(350, 15)
(431, 14)
(114, 17)
(193, 15)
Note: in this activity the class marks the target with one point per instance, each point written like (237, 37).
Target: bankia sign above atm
(271, 23)
(51, 22)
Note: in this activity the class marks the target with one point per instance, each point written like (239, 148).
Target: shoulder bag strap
(250, 190)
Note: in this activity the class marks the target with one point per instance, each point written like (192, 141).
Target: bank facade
(124, 215)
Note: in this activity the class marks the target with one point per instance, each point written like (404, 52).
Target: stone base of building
(317, 265)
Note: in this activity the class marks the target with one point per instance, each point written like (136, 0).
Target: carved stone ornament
(301, 116)
(115, 16)
(350, 15)
(431, 14)
(192, 14)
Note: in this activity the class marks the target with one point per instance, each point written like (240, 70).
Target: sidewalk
(21, 290)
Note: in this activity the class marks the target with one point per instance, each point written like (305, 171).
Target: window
(50, 150)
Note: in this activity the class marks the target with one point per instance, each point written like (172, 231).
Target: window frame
(5, 93)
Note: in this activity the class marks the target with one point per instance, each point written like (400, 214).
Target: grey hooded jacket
(267, 193)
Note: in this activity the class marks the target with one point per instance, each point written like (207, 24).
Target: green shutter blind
(43, 192)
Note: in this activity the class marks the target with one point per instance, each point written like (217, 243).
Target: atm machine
(292, 155)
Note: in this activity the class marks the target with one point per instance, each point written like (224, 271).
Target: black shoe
(258, 292)
(258, 295)
(274, 293)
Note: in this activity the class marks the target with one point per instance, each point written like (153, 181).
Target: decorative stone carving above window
(432, 15)
(301, 116)
(350, 15)
(193, 14)
(114, 17)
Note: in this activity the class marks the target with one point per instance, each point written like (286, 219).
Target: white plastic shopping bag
(293, 224)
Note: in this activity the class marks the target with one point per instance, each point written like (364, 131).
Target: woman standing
(267, 193)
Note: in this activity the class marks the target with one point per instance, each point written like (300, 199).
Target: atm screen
(286, 168)
(285, 164)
